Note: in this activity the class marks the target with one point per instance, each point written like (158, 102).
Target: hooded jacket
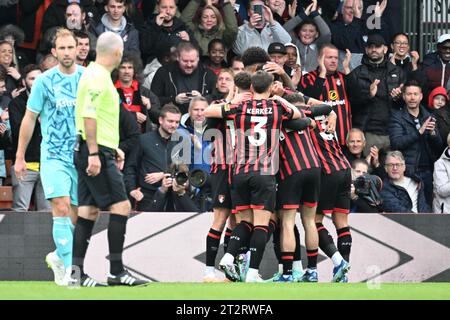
(372, 114)
(436, 91)
(127, 32)
(250, 37)
(441, 183)
(308, 53)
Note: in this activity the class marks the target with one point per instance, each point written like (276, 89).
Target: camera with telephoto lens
(198, 178)
(368, 187)
(181, 177)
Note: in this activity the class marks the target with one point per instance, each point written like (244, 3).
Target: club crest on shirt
(221, 198)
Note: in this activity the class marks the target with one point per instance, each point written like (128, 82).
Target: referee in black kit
(98, 160)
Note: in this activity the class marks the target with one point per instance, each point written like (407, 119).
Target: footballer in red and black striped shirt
(258, 124)
(329, 86)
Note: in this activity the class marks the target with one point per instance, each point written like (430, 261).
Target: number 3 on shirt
(262, 135)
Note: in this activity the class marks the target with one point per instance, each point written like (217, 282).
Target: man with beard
(165, 29)
(376, 89)
(329, 85)
(180, 81)
(23, 190)
(260, 30)
(147, 173)
(52, 100)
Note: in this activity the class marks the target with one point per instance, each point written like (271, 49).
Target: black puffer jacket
(373, 114)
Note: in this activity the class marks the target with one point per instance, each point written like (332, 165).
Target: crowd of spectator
(392, 106)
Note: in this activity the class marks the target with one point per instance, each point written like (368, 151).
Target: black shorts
(254, 191)
(220, 189)
(300, 188)
(105, 189)
(335, 192)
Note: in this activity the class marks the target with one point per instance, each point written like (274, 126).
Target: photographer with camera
(172, 195)
(146, 174)
(365, 188)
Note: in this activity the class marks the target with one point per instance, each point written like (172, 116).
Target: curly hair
(255, 55)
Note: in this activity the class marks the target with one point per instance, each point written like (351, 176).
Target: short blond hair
(62, 33)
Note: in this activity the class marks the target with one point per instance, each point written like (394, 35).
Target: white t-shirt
(411, 187)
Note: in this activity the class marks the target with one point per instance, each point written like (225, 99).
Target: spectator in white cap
(436, 67)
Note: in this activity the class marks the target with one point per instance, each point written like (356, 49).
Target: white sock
(297, 265)
(337, 258)
(209, 270)
(251, 273)
(227, 258)
(280, 268)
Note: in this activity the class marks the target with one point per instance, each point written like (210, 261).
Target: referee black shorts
(335, 192)
(300, 188)
(220, 189)
(254, 191)
(105, 189)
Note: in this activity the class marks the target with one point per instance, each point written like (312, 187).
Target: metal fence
(424, 21)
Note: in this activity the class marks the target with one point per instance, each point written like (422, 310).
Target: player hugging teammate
(293, 146)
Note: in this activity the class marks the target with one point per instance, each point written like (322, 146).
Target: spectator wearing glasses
(402, 193)
(403, 57)
(413, 131)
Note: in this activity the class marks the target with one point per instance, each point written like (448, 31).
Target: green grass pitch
(32, 290)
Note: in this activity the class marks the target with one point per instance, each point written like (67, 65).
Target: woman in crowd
(13, 76)
(210, 24)
(402, 57)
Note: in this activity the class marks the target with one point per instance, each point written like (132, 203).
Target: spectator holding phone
(413, 132)
(183, 79)
(260, 30)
